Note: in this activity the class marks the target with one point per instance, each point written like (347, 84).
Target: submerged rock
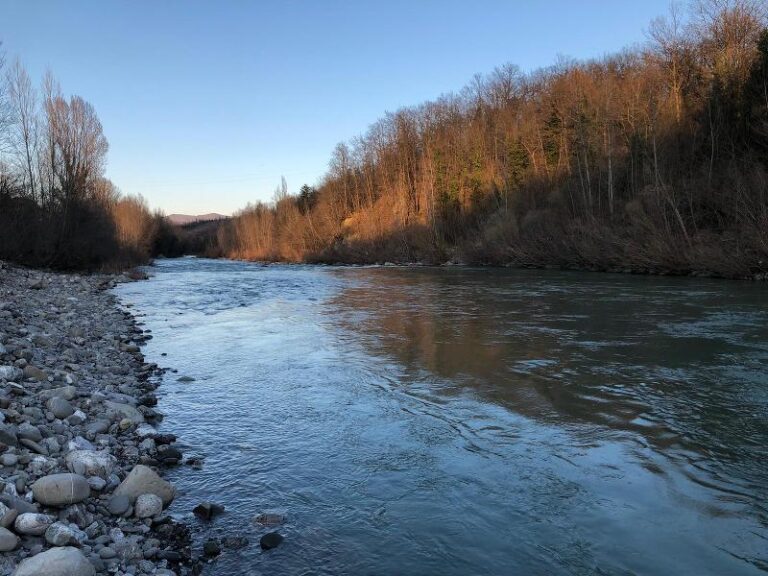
(270, 540)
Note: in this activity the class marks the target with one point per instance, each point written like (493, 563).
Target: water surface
(418, 421)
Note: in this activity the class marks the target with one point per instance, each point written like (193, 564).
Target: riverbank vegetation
(57, 209)
(654, 159)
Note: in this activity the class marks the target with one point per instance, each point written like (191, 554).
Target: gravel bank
(80, 457)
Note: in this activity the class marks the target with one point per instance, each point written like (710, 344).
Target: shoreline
(80, 457)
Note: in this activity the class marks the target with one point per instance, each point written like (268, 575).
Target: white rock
(91, 463)
(32, 523)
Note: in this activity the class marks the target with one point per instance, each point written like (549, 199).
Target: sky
(206, 104)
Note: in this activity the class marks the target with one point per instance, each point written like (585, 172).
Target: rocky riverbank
(80, 457)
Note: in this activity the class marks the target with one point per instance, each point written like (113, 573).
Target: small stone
(97, 483)
(118, 505)
(106, 553)
(8, 540)
(59, 534)
(270, 540)
(9, 459)
(148, 505)
(32, 523)
(211, 548)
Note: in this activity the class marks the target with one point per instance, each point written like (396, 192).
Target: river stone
(8, 435)
(148, 505)
(144, 480)
(10, 373)
(59, 534)
(98, 427)
(60, 407)
(270, 540)
(7, 515)
(65, 392)
(64, 561)
(90, 463)
(8, 540)
(29, 431)
(32, 523)
(35, 373)
(61, 489)
(125, 410)
(118, 505)
(9, 459)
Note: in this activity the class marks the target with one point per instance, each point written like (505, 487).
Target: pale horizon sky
(206, 104)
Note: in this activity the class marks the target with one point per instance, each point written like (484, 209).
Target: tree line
(652, 159)
(57, 209)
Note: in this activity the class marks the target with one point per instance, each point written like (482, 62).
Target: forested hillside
(653, 159)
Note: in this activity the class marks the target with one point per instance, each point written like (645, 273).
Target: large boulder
(144, 480)
(61, 489)
(64, 561)
(124, 411)
(91, 463)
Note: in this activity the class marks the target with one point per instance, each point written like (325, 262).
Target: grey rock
(90, 463)
(125, 411)
(64, 561)
(8, 435)
(61, 489)
(119, 504)
(59, 534)
(32, 523)
(9, 459)
(144, 480)
(148, 505)
(29, 431)
(65, 392)
(10, 373)
(60, 407)
(8, 540)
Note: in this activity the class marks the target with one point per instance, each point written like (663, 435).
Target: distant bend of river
(455, 421)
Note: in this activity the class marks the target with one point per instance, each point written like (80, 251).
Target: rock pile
(80, 492)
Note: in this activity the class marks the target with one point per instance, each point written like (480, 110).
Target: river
(456, 421)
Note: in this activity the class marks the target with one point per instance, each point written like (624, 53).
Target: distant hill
(182, 219)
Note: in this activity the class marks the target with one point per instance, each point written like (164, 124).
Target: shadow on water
(460, 421)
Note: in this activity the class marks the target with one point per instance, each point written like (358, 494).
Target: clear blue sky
(207, 103)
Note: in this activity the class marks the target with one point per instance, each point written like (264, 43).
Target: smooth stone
(98, 427)
(270, 540)
(97, 483)
(60, 407)
(90, 463)
(64, 561)
(8, 435)
(8, 540)
(61, 489)
(148, 505)
(125, 410)
(7, 515)
(29, 431)
(32, 523)
(106, 553)
(143, 480)
(35, 373)
(65, 392)
(10, 373)
(9, 459)
(118, 505)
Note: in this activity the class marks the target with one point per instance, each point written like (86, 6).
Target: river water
(451, 421)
